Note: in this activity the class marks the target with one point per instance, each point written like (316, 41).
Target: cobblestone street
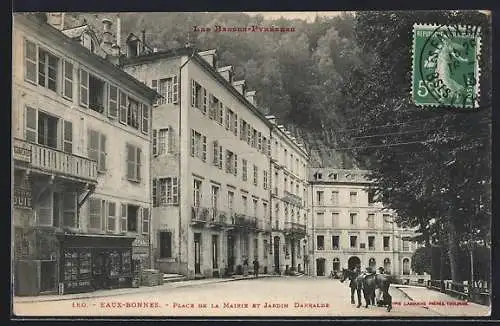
(273, 296)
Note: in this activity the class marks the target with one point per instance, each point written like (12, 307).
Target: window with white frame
(217, 154)
(133, 156)
(371, 221)
(231, 162)
(320, 219)
(196, 193)
(165, 191)
(162, 141)
(198, 145)
(167, 88)
(198, 97)
(113, 101)
(123, 218)
(145, 118)
(133, 114)
(353, 196)
(244, 170)
(97, 148)
(48, 69)
(255, 175)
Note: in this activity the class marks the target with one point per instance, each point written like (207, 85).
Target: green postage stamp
(446, 65)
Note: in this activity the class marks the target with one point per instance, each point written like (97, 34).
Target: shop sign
(22, 198)
(22, 154)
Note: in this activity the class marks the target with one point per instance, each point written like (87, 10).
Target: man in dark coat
(256, 267)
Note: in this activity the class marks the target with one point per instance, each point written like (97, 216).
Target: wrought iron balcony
(199, 215)
(54, 161)
(291, 198)
(245, 221)
(218, 218)
(294, 228)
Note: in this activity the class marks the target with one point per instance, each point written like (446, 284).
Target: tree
(424, 161)
(421, 260)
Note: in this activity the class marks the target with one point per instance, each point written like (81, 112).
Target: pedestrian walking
(256, 268)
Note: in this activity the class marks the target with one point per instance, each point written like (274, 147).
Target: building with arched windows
(349, 228)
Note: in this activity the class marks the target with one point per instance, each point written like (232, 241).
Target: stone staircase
(173, 278)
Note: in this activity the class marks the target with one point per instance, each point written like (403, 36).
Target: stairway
(173, 278)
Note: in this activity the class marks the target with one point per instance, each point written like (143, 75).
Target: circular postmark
(446, 62)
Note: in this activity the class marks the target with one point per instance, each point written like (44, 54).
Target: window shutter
(175, 191)
(139, 220)
(123, 107)
(259, 141)
(130, 161)
(84, 88)
(123, 218)
(113, 101)
(138, 164)
(67, 79)
(236, 124)
(93, 145)
(193, 93)
(155, 142)
(215, 160)
(170, 139)
(155, 192)
(221, 113)
(235, 171)
(104, 214)
(204, 153)
(242, 130)
(102, 153)
(154, 85)
(68, 136)
(227, 119)
(175, 90)
(145, 119)
(205, 101)
(221, 157)
(192, 142)
(31, 124)
(30, 61)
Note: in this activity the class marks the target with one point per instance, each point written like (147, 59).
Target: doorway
(320, 267)
(48, 276)
(230, 254)
(99, 269)
(353, 262)
(276, 251)
(197, 253)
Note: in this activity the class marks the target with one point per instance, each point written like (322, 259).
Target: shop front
(93, 262)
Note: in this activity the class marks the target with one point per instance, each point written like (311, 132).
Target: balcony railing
(387, 248)
(294, 227)
(56, 161)
(291, 198)
(245, 221)
(200, 214)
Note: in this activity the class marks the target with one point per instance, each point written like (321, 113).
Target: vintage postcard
(321, 164)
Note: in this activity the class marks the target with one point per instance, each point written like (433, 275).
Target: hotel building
(289, 161)
(210, 165)
(81, 132)
(349, 228)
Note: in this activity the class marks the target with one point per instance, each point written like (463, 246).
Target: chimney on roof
(55, 19)
(240, 86)
(107, 35)
(250, 96)
(210, 56)
(271, 118)
(118, 31)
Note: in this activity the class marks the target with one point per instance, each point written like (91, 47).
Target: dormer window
(133, 48)
(88, 42)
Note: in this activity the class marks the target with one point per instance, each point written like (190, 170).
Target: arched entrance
(336, 265)
(320, 267)
(276, 251)
(406, 266)
(387, 265)
(353, 262)
(372, 263)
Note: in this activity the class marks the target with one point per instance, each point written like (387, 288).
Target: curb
(142, 290)
(404, 293)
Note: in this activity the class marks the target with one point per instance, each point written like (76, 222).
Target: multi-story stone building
(349, 228)
(210, 166)
(289, 160)
(81, 147)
